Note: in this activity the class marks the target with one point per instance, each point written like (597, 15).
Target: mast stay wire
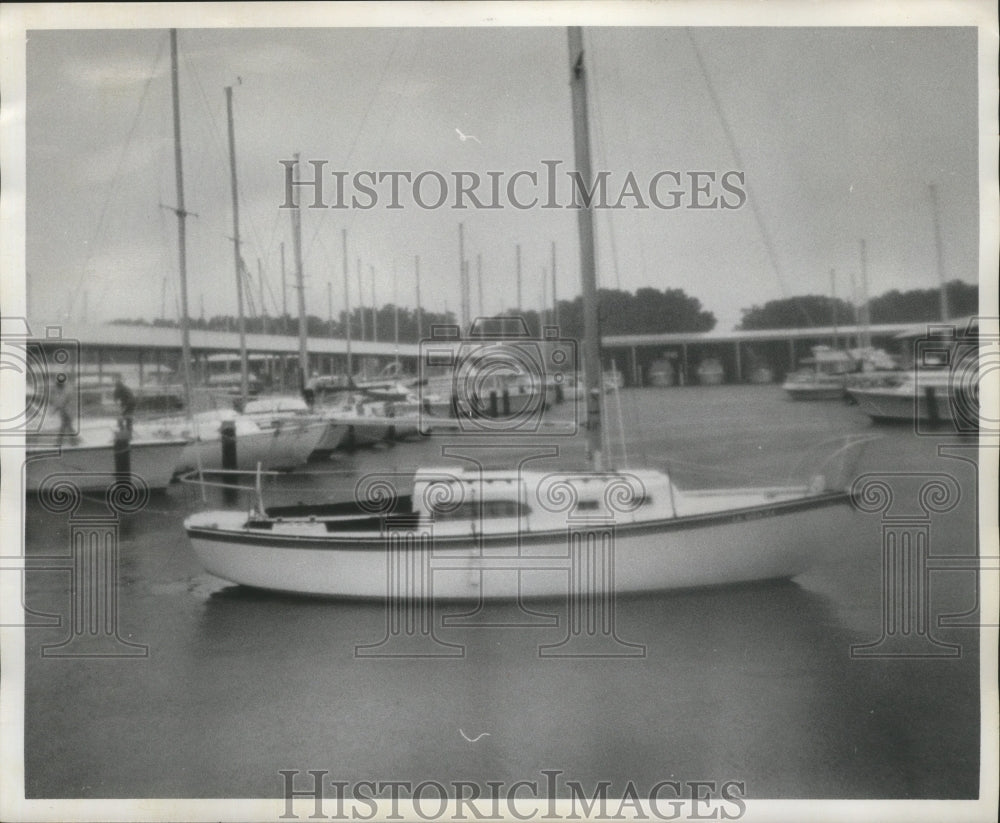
(602, 150)
(734, 149)
(253, 234)
(357, 135)
(115, 179)
(334, 262)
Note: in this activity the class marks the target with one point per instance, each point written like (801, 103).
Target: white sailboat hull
(93, 466)
(367, 434)
(758, 543)
(333, 437)
(275, 445)
(275, 450)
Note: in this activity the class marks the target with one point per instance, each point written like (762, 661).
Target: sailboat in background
(93, 455)
(224, 438)
(665, 537)
(939, 382)
(824, 376)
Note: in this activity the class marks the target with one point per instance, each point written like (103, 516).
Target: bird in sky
(464, 137)
(473, 739)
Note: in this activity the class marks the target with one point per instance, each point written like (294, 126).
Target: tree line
(648, 311)
(914, 306)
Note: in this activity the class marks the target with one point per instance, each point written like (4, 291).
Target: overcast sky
(838, 131)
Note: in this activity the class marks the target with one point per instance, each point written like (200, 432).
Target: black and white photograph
(499, 411)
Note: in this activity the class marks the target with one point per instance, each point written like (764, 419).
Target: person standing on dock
(309, 390)
(60, 405)
(126, 402)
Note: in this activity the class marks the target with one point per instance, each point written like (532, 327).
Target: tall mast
(588, 271)
(467, 277)
(462, 316)
(519, 306)
(543, 315)
(420, 313)
(181, 233)
(299, 281)
(866, 341)
(361, 301)
(371, 270)
(329, 305)
(555, 298)
(260, 288)
(284, 294)
(943, 293)
(244, 365)
(395, 313)
(833, 304)
(479, 279)
(854, 310)
(347, 305)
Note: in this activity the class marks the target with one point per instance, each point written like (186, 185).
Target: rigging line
(357, 134)
(216, 131)
(213, 126)
(601, 145)
(251, 287)
(399, 95)
(603, 151)
(270, 243)
(636, 421)
(115, 178)
(734, 149)
(630, 152)
(414, 51)
(270, 291)
(248, 287)
(370, 255)
(253, 236)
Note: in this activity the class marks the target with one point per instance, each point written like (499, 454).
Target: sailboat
(271, 439)
(500, 534)
(92, 454)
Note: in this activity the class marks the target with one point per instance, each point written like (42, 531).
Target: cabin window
(260, 524)
(474, 509)
(594, 505)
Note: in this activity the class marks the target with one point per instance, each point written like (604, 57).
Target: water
(752, 683)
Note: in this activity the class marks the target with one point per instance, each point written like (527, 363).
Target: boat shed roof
(752, 335)
(165, 337)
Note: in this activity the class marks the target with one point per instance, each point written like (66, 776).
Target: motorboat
(940, 384)
(823, 378)
(710, 372)
(928, 396)
(365, 422)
